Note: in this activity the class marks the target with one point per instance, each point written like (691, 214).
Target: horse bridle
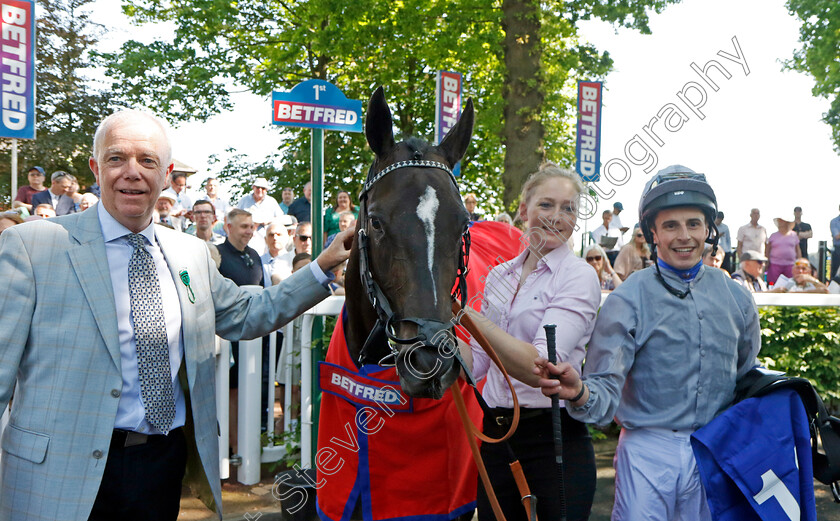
(427, 329)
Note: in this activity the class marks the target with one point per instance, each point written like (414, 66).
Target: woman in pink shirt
(545, 284)
(782, 250)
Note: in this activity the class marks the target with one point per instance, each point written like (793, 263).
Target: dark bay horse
(391, 443)
(405, 260)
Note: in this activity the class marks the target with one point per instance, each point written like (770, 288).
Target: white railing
(297, 348)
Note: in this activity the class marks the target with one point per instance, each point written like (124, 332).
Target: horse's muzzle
(425, 373)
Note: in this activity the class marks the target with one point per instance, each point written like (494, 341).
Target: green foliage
(221, 45)
(804, 342)
(820, 54)
(289, 440)
(68, 108)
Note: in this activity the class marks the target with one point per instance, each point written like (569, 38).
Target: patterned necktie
(150, 336)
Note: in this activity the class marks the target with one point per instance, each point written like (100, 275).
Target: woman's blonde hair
(547, 171)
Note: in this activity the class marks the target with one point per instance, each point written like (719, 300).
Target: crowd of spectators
(777, 262)
(279, 233)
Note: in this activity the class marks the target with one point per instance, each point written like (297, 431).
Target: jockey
(668, 347)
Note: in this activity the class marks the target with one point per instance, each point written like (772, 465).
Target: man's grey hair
(59, 175)
(126, 115)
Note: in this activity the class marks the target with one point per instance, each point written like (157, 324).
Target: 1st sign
(316, 104)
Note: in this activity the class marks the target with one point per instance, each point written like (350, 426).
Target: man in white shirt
(617, 209)
(263, 208)
(178, 191)
(752, 236)
(608, 229)
(277, 260)
(221, 206)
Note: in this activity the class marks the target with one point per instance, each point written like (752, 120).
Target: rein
(426, 331)
(528, 500)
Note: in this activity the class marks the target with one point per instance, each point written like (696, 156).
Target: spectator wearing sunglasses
(597, 258)
(750, 274)
(633, 256)
(303, 238)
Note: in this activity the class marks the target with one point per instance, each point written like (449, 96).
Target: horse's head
(410, 242)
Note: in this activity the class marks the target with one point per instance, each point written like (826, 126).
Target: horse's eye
(376, 224)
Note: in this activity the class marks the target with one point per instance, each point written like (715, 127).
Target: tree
(68, 109)
(519, 60)
(820, 54)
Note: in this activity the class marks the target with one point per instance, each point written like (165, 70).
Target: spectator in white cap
(165, 208)
(263, 209)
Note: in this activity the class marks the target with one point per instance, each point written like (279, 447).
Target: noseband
(428, 330)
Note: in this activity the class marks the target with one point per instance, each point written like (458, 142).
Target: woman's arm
(516, 355)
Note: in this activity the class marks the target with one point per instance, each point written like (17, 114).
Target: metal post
(821, 264)
(318, 322)
(14, 171)
(223, 404)
(317, 161)
(250, 384)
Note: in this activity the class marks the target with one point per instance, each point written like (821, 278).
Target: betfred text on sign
(447, 102)
(17, 71)
(316, 104)
(589, 130)
(289, 112)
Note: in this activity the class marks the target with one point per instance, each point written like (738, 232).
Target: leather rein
(426, 330)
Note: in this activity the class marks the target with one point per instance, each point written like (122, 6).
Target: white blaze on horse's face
(427, 211)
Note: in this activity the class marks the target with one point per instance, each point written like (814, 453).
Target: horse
(410, 232)
(398, 358)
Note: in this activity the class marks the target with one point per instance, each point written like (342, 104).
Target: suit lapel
(90, 264)
(178, 260)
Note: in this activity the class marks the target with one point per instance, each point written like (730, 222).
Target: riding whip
(556, 419)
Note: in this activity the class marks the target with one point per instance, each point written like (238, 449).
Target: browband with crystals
(406, 164)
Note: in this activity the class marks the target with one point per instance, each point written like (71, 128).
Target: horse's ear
(456, 141)
(378, 124)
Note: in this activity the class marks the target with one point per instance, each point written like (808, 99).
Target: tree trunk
(523, 131)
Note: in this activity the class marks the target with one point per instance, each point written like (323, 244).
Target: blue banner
(316, 104)
(588, 147)
(17, 69)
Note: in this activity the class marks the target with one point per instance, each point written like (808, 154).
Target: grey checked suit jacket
(59, 350)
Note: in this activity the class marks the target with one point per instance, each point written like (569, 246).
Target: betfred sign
(588, 148)
(448, 102)
(17, 69)
(316, 104)
(447, 106)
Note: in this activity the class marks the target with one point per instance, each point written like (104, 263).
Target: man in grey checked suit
(80, 443)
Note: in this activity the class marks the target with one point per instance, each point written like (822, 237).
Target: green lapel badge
(185, 278)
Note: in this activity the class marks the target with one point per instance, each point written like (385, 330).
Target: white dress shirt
(131, 414)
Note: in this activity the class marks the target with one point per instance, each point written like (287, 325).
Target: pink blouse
(783, 248)
(562, 290)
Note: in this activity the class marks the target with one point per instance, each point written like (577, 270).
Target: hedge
(804, 342)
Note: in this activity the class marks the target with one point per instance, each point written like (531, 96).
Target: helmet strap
(672, 290)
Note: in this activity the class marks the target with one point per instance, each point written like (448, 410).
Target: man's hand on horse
(337, 252)
(560, 379)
